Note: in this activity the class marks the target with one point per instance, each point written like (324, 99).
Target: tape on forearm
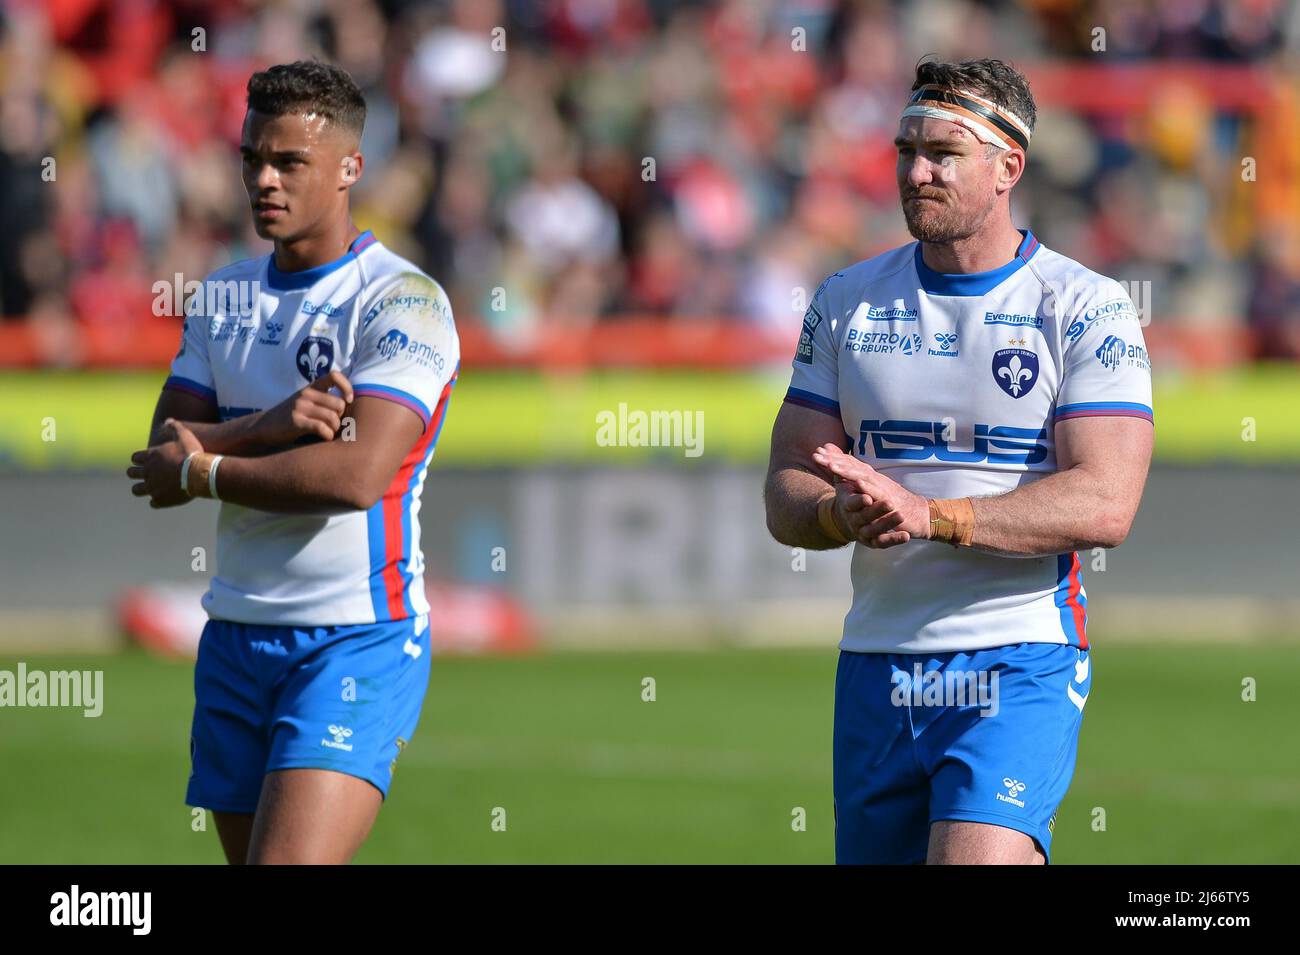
(826, 518)
(185, 470)
(952, 520)
(212, 477)
(198, 482)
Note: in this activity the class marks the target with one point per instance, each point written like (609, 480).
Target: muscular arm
(240, 435)
(311, 412)
(1089, 502)
(236, 436)
(183, 406)
(794, 483)
(330, 476)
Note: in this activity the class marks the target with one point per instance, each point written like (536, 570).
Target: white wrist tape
(212, 478)
(185, 471)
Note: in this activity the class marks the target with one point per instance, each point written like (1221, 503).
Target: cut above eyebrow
(932, 143)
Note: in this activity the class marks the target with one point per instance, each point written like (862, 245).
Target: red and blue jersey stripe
(403, 398)
(808, 399)
(190, 386)
(1112, 409)
(1071, 601)
(390, 534)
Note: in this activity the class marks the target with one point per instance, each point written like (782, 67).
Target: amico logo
(392, 344)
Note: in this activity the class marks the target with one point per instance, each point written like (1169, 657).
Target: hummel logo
(273, 329)
(1014, 788)
(340, 734)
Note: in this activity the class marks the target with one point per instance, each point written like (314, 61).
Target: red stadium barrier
(147, 344)
(628, 342)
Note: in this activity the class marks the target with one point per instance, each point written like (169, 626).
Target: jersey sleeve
(408, 351)
(190, 370)
(1107, 371)
(815, 381)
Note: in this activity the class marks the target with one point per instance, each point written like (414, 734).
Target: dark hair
(309, 85)
(992, 79)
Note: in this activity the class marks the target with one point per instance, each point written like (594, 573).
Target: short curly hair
(309, 85)
(992, 79)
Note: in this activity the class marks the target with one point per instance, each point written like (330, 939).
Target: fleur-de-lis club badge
(315, 356)
(1015, 370)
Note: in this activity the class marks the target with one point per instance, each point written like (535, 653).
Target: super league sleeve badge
(811, 319)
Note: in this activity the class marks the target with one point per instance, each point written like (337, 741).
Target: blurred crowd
(579, 161)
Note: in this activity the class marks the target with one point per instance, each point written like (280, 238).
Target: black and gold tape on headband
(980, 110)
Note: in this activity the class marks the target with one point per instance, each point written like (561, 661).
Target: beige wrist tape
(952, 520)
(826, 518)
(197, 480)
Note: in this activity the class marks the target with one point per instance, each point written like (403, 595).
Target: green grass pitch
(709, 772)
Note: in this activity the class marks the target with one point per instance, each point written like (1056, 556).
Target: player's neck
(984, 251)
(310, 251)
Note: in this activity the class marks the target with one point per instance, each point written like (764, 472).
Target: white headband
(986, 119)
(982, 132)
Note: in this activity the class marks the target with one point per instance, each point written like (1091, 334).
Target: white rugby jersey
(254, 336)
(950, 385)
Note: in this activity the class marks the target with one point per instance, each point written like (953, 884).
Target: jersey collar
(974, 283)
(288, 281)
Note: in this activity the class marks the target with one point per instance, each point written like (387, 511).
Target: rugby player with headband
(969, 411)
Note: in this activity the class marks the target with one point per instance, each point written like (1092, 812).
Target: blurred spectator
(584, 159)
